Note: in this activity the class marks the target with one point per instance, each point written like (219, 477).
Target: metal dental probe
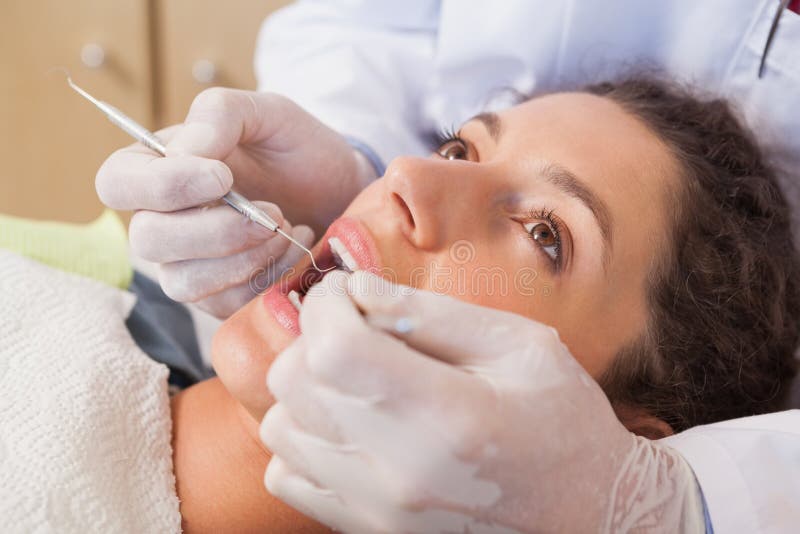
(148, 139)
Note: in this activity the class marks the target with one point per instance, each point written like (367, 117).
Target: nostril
(404, 209)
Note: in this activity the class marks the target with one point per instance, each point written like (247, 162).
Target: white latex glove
(272, 149)
(476, 421)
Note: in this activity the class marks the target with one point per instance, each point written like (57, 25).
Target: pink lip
(355, 236)
(282, 309)
(357, 239)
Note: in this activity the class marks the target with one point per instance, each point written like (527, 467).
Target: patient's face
(554, 209)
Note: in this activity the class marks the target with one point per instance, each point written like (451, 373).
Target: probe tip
(310, 255)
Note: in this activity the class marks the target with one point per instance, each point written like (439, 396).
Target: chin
(242, 351)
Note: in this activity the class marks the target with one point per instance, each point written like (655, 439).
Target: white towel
(85, 423)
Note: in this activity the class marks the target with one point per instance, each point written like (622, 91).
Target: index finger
(137, 178)
(456, 332)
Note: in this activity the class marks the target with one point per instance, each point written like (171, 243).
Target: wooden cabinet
(194, 35)
(143, 54)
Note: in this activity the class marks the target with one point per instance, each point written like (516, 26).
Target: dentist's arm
(360, 66)
(475, 421)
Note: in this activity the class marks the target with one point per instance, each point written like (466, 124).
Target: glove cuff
(371, 156)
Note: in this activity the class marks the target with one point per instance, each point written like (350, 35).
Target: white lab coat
(392, 73)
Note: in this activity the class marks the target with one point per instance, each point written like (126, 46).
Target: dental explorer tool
(148, 139)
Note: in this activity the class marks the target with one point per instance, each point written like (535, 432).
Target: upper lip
(353, 235)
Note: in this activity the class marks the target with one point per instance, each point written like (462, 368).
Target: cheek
(586, 325)
(487, 274)
(589, 349)
(592, 328)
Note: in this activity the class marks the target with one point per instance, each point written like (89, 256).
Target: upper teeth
(294, 298)
(342, 256)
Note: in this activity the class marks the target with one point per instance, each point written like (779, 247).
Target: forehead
(584, 129)
(609, 149)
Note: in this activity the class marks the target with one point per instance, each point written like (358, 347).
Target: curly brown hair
(725, 300)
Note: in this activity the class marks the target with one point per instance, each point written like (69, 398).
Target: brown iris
(543, 235)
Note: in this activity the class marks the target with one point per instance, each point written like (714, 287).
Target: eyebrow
(492, 123)
(565, 180)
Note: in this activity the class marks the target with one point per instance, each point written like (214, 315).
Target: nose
(425, 196)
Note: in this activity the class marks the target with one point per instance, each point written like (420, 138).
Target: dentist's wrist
(370, 166)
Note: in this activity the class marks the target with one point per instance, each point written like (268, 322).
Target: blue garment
(374, 159)
(706, 515)
(164, 330)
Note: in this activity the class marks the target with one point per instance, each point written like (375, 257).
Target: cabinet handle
(93, 55)
(204, 71)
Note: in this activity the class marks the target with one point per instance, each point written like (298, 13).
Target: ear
(641, 422)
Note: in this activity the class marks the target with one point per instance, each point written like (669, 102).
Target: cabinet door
(205, 43)
(51, 140)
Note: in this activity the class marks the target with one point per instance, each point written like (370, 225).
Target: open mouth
(346, 246)
(343, 260)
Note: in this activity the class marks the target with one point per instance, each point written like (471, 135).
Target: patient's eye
(451, 145)
(546, 233)
(454, 149)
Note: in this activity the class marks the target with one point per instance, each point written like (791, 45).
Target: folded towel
(97, 250)
(85, 422)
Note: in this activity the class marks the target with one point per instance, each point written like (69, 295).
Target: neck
(219, 465)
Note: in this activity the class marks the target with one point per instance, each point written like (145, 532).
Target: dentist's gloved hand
(270, 149)
(476, 421)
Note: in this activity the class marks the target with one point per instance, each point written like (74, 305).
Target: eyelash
(446, 134)
(450, 135)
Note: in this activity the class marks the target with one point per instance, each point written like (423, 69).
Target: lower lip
(282, 309)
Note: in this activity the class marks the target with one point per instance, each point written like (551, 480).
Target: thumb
(218, 120)
(453, 331)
